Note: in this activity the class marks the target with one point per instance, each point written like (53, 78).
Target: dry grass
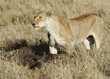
(21, 57)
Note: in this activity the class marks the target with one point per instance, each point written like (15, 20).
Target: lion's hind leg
(87, 44)
(92, 42)
(97, 40)
(97, 43)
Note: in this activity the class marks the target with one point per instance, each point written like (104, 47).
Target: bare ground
(24, 53)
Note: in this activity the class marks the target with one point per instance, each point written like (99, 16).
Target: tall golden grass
(16, 17)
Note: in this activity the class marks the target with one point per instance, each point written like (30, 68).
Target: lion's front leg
(53, 50)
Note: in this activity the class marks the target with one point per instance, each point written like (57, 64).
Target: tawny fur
(70, 32)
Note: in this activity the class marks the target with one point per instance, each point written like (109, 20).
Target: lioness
(70, 32)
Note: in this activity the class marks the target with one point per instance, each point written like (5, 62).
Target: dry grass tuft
(22, 54)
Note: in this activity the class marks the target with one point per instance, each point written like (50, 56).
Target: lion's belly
(75, 43)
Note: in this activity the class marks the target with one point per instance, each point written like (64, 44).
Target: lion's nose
(33, 24)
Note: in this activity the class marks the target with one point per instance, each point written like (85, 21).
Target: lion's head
(40, 20)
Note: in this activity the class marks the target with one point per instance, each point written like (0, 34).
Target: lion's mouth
(36, 28)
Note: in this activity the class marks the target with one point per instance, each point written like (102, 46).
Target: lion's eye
(40, 17)
(35, 17)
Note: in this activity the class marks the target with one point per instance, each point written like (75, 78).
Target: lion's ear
(48, 13)
(38, 10)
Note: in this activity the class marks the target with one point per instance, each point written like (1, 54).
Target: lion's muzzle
(33, 24)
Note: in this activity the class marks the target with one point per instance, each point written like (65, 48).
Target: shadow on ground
(33, 55)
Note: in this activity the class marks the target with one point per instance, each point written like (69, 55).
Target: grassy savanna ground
(21, 57)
